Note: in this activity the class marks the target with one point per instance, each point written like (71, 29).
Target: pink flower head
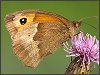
(86, 47)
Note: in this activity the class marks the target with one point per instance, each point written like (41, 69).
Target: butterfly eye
(23, 21)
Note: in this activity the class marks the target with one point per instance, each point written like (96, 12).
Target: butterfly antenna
(81, 20)
(87, 18)
(90, 25)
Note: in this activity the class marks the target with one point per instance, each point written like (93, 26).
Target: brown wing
(39, 36)
(31, 46)
(25, 47)
(51, 36)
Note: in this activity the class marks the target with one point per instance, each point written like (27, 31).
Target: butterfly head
(72, 27)
(76, 23)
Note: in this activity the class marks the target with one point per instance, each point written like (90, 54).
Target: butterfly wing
(39, 36)
(51, 35)
(32, 48)
(38, 40)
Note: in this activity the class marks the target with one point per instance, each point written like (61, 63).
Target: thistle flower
(85, 47)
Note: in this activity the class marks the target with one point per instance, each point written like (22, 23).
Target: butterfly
(37, 33)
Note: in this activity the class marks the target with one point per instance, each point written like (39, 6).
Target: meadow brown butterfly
(37, 33)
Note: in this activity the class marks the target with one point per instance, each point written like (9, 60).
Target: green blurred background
(57, 62)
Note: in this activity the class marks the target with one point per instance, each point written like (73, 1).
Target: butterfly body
(36, 34)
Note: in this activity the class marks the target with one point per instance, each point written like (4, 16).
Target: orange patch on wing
(38, 18)
(45, 18)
